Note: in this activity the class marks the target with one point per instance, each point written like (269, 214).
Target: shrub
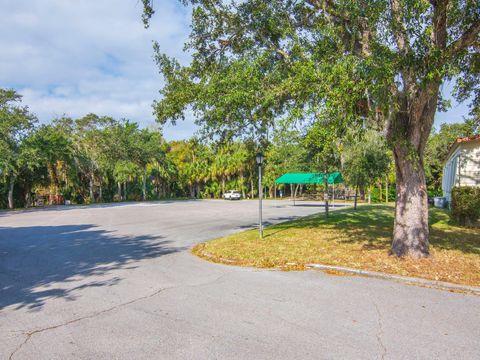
(434, 192)
(466, 205)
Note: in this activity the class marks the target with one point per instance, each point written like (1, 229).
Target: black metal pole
(260, 195)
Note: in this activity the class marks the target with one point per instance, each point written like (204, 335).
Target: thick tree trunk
(10, 191)
(119, 188)
(410, 234)
(100, 192)
(409, 131)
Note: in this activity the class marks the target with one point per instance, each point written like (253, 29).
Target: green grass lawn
(358, 239)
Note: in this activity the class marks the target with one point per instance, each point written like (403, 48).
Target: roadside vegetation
(316, 86)
(329, 67)
(101, 159)
(358, 239)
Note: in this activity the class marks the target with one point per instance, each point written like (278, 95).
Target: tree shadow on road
(38, 263)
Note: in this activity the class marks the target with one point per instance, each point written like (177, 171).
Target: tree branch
(468, 38)
(439, 35)
(330, 7)
(399, 31)
(401, 38)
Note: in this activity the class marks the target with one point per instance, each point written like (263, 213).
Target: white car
(232, 195)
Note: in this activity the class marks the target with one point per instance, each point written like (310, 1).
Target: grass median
(358, 239)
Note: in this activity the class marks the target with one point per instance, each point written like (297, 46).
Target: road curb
(404, 279)
(441, 285)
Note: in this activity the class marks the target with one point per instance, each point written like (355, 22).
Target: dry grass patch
(357, 239)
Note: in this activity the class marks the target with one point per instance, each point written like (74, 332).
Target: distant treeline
(101, 159)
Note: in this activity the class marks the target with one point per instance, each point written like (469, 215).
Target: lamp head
(259, 158)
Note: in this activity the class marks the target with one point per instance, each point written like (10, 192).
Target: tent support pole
(333, 200)
(294, 194)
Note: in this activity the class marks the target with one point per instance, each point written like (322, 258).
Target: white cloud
(76, 57)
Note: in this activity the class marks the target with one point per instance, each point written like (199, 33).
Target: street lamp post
(259, 159)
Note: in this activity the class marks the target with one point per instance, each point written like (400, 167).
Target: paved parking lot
(118, 282)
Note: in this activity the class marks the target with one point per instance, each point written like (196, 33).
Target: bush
(466, 205)
(434, 192)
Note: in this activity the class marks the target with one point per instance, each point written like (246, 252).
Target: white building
(462, 167)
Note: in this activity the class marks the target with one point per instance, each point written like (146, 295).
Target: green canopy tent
(310, 178)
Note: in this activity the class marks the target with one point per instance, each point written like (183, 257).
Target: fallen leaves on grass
(357, 239)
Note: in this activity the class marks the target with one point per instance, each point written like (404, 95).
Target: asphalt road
(119, 282)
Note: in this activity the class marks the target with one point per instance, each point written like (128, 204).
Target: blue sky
(75, 57)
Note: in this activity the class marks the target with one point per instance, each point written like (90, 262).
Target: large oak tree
(379, 62)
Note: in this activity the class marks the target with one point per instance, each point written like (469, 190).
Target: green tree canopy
(16, 122)
(366, 160)
(377, 63)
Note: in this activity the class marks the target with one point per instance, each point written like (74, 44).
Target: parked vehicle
(232, 195)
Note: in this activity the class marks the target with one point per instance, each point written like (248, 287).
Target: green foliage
(377, 65)
(126, 171)
(16, 124)
(375, 194)
(434, 192)
(82, 159)
(255, 62)
(366, 160)
(322, 146)
(465, 205)
(286, 153)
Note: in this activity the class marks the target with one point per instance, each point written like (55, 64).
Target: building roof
(459, 141)
(309, 178)
(468, 139)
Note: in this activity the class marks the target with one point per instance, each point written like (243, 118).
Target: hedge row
(465, 205)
